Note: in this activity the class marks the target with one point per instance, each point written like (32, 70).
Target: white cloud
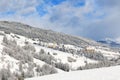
(19, 5)
(96, 19)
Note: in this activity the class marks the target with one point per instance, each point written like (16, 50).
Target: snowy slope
(59, 55)
(111, 73)
(63, 57)
(9, 61)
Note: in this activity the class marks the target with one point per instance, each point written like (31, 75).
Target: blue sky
(95, 19)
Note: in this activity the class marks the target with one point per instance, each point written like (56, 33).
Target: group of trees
(43, 35)
(24, 53)
(47, 69)
(96, 56)
(46, 57)
(5, 74)
(63, 66)
(105, 63)
(32, 69)
(27, 53)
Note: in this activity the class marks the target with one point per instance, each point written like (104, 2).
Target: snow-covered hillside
(111, 73)
(66, 58)
(60, 56)
(25, 57)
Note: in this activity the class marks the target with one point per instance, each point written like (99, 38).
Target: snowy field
(7, 61)
(110, 73)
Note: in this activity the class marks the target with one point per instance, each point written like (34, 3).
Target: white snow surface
(63, 57)
(110, 73)
(6, 60)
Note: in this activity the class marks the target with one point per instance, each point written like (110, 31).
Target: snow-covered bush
(97, 65)
(46, 69)
(54, 53)
(95, 56)
(42, 51)
(2, 34)
(18, 54)
(38, 69)
(29, 47)
(70, 59)
(5, 74)
(7, 32)
(26, 72)
(20, 78)
(117, 61)
(44, 57)
(11, 48)
(5, 40)
(29, 74)
(9, 43)
(62, 66)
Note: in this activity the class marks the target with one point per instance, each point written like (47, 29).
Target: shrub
(70, 59)
(24, 54)
(5, 74)
(18, 53)
(38, 69)
(62, 66)
(9, 43)
(20, 78)
(44, 57)
(95, 56)
(97, 65)
(7, 32)
(42, 51)
(46, 69)
(29, 47)
(54, 53)
(5, 40)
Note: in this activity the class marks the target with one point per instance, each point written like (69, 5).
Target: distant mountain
(110, 42)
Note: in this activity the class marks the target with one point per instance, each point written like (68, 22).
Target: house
(52, 45)
(90, 49)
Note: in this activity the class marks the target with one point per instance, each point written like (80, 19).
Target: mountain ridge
(110, 42)
(27, 52)
(44, 35)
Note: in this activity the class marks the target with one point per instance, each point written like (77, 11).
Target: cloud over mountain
(95, 19)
